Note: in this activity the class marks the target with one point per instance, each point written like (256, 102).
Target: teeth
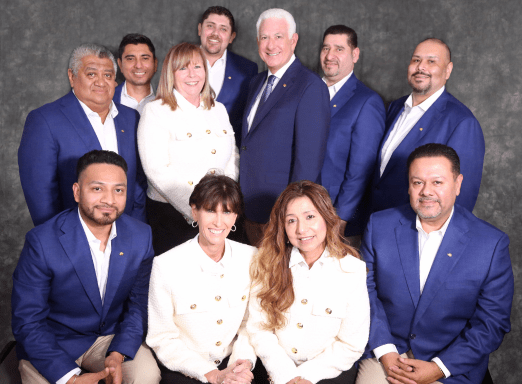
(305, 238)
(216, 231)
(273, 54)
(192, 83)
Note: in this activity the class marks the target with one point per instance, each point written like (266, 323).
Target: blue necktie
(267, 91)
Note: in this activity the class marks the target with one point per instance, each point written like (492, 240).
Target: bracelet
(440, 369)
(75, 377)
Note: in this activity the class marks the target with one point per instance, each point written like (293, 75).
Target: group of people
(293, 165)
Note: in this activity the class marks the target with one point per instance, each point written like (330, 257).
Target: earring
(194, 224)
(233, 228)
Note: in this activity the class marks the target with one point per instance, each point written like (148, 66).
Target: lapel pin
(122, 130)
(284, 85)
(121, 253)
(335, 105)
(449, 254)
(420, 129)
(230, 77)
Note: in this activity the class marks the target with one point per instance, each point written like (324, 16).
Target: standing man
(229, 74)
(285, 125)
(356, 130)
(428, 115)
(138, 64)
(439, 279)
(80, 288)
(56, 135)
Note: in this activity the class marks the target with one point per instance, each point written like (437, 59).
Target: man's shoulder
(55, 226)
(134, 226)
(454, 106)
(302, 73)
(476, 226)
(362, 90)
(242, 62)
(402, 214)
(54, 106)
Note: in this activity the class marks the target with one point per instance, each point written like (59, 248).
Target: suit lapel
(120, 254)
(407, 239)
(76, 247)
(74, 112)
(124, 135)
(261, 78)
(343, 95)
(450, 251)
(230, 72)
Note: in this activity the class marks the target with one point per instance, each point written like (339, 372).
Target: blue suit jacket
(463, 312)
(233, 95)
(55, 136)
(447, 121)
(117, 93)
(356, 131)
(57, 312)
(287, 139)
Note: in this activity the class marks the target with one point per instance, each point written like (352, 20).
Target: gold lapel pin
(449, 254)
(230, 77)
(121, 253)
(122, 130)
(420, 129)
(284, 85)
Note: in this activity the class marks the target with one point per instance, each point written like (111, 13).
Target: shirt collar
(296, 258)
(340, 83)
(184, 104)
(426, 103)
(222, 60)
(205, 262)
(90, 237)
(113, 111)
(151, 94)
(442, 230)
(283, 69)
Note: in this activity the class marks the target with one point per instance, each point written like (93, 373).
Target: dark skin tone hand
(423, 372)
(113, 363)
(89, 378)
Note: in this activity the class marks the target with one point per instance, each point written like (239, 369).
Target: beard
(104, 218)
(424, 216)
(418, 89)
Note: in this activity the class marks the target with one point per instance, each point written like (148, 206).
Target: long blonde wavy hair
(270, 271)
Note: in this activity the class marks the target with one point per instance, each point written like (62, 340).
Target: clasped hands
(112, 372)
(237, 373)
(401, 370)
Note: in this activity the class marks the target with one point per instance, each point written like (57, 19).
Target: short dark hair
(436, 150)
(343, 30)
(100, 157)
(213, 190)
(441, 42)
(135, 38)
(219, 10)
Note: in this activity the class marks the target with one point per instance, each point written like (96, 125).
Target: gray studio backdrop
(36, 38)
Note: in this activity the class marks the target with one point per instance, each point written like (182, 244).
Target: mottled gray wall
(36, 38)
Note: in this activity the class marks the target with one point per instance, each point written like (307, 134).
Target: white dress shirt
(198, 308)
(177, 148)
(334, 88)
(106, 132)
(406, 121)
(131, 102)
(429, 244)
(327, 325)
(101, 261)
(216, 73)
(278, 75)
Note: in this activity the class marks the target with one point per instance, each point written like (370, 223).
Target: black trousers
(346, 377)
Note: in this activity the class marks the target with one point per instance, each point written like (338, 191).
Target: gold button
(225, 131)
(121, 253)
(208, 131)
(420, 129)
(220, 321)
(218, 343)
(335, 105)
(189, 134)
(328, 310)
(222, 276)
(190, 182)
(122, 131)
(294, 350)
(449, 254)
(299, 325)
(193, 306)
(217, 362)
(213, 172)
(218, 298)
(304, 301)
(213, 151)
(243, 298)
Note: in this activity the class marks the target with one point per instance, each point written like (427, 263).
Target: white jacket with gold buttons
(198, 308)
(327, 325)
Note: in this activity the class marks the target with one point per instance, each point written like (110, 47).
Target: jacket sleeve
(140, 189)
(242, 348)
(30, 308)
(38, 167)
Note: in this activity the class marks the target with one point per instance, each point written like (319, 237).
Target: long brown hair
(270, 271)
(178, 57)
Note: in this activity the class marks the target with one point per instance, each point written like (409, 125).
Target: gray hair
(101, 52)
(278, 13)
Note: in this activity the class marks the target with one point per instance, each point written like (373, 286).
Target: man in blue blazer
(56, 135)
(439, 279)
(80, 288)
(229, 74)
(285, 125)
(429, 115)
(138, 64)
(356, 130)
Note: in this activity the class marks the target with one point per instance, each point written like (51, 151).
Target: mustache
(215, 37)
(421, 73)
(330, 62)
(422, 199)
(106, 206)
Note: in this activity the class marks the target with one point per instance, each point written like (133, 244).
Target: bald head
(442, 43)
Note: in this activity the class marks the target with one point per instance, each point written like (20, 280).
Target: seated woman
(309, 309)
(182, 135)
(199, 293)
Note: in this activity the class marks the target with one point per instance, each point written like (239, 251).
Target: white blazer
(198, 309)
(327, 325)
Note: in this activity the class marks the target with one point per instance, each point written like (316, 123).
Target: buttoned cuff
(442, 367)
(65, 378)
(383, 350)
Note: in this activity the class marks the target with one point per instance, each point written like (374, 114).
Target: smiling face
(101, 193)
(214, 225)
(216, 34)
(429, 68)
(138, 64)
(433, 190)
(190, 79)
(95, 83)
(275, 46)
(305, 228)
(337, 58)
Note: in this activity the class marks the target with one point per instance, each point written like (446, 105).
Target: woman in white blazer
(182, 135)
(309, 309)
(199, 292)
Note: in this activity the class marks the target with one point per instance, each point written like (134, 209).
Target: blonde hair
(270, 271)
(178, 57)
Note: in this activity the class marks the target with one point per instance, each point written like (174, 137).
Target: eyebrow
(96, 69)
(293, 214)
(103, 183)
(429, 56)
